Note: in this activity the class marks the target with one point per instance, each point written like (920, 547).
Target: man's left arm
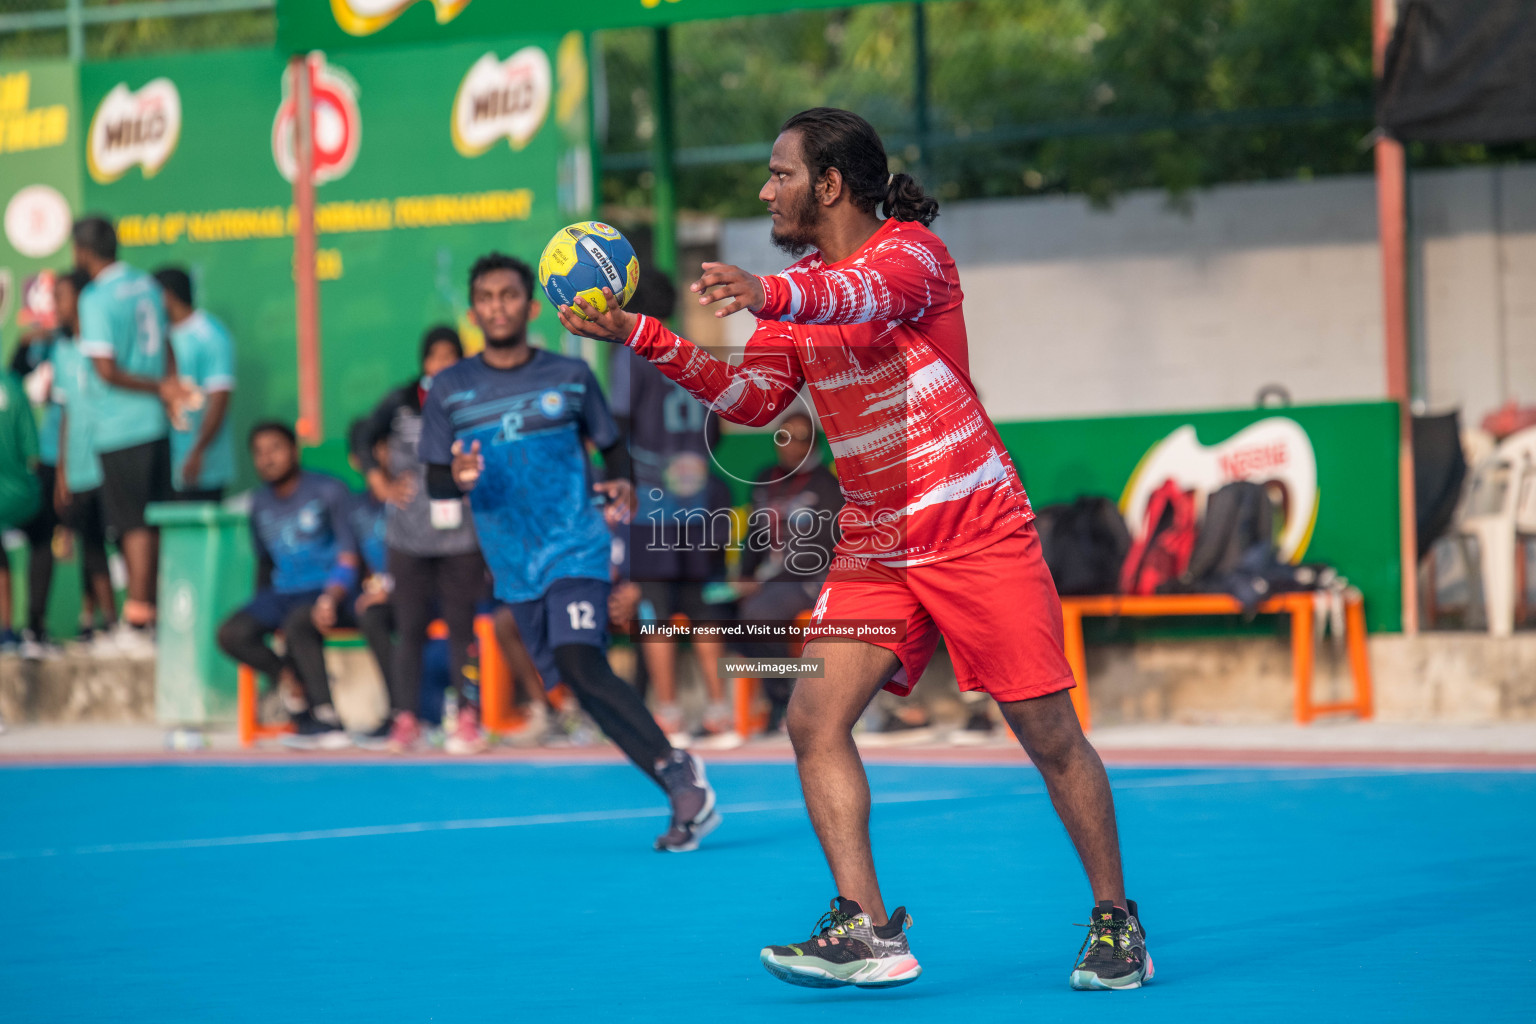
(345, 572)
(218, 382)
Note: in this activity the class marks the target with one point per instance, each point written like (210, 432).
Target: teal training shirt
(205, 355)
(122, 317)
(76, 389)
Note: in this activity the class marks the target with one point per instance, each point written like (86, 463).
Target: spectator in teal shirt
(123, 333)
(77, 488)
(202, 459)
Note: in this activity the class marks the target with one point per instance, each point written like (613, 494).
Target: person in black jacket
(434, 571)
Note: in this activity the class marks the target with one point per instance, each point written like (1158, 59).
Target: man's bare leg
(661, 664)
(820, 720)
(518, 662)
(141, 549)
(1048, 729)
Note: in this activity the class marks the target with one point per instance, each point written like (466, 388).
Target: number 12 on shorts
(582, 615)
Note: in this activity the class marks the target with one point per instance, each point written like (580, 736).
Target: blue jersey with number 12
(533, 505)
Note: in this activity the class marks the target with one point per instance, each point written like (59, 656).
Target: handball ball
(583, 259)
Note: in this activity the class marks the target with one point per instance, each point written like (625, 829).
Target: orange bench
(496, 698)
(1299, 606)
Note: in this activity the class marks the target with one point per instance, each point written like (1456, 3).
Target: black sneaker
(848, 949)
(693, 803)
(1114, 956)
(310, 733)
(378, 739)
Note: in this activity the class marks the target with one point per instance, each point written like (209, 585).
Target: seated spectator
(375, 616)
(307, 575)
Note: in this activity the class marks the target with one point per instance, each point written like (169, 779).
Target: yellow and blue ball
(583, 259)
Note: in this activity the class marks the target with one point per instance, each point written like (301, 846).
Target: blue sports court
(195, 891)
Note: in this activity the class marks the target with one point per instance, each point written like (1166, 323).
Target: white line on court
(1204, 778)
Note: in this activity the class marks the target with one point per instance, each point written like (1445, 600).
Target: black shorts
(84, 515)
(131, 479)
(39, 529)
(200, 494)
(669, 597)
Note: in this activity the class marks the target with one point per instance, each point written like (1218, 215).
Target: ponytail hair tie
(889, 179)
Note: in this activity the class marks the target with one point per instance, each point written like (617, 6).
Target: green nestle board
(39, 184)
(339, 24)
(426, 159)
(1334, 468)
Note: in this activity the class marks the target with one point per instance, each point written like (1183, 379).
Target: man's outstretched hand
(613, 324)
(722, 282)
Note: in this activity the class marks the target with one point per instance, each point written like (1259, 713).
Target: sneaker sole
(1087, 981)
(700, 830)
(880, 974)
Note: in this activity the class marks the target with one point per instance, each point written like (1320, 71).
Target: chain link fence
(102, 29)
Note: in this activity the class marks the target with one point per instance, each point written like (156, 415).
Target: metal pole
(76, 30)
(1391, 219)
(920, 88)
(310, 427)
(664, 190)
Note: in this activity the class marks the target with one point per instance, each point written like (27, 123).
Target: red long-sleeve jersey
(880, 339)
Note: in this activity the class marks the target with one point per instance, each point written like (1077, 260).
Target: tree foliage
(1117, 87)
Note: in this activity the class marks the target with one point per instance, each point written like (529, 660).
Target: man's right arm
(437, 450)
(754, 391)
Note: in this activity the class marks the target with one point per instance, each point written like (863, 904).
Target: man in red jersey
(936, 531)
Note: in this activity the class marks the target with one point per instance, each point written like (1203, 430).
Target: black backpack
(1084, 544)
(1238, 532)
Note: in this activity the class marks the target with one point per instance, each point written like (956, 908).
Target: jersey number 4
(582, 615)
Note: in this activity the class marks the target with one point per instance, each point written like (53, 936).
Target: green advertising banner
(340, 24)
(1332, 470)
(425, 160)
(39, 188)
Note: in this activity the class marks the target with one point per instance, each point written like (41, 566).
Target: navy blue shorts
(270, 607)
(571, 611)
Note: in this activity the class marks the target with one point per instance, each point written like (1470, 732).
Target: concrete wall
(1075, 311)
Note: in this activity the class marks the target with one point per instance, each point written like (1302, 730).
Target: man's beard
(510, 341)
(796, 240)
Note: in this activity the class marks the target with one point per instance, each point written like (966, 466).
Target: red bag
(1161, 554)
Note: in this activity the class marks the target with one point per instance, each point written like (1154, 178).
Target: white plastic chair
(1500, 514)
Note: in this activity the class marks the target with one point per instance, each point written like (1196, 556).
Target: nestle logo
(1245, 462)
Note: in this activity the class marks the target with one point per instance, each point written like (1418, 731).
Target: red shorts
(997, 609)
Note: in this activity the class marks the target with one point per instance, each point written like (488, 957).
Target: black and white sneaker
(693, 803)
(1114, 956)
(310, 733)
(378, 739)
(848, 949)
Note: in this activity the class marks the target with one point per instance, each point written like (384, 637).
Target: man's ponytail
(906, 200)
(840, 138)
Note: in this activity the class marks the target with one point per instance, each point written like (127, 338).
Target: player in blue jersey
(509, 429)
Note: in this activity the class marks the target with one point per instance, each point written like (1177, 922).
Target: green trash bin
(207, 570)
